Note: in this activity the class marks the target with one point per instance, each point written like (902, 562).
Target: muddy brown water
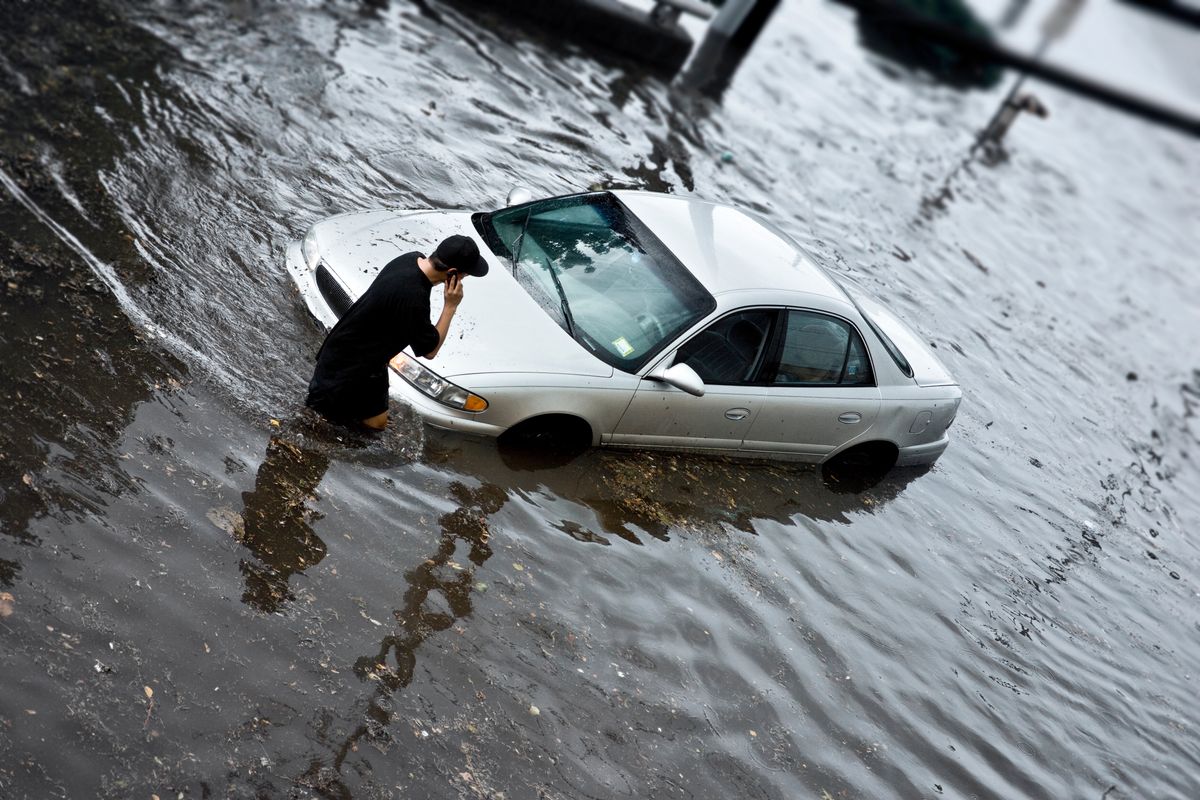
(204, 593)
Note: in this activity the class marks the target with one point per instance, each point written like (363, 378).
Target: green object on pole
(880, 33)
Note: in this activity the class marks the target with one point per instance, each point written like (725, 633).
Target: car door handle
(737, 413)
(850, 417)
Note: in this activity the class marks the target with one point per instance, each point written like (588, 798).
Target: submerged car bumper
(918, 454)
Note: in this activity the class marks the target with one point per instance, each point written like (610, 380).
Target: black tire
(860, 467)
(560, 437)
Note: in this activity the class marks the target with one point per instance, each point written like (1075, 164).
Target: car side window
(730, 351)
(819, 350)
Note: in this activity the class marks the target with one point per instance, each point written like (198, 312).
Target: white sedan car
(635, 319)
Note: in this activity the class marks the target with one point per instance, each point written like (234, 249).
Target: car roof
(728, 249)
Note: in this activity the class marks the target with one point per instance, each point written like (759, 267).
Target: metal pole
(1054, 27)
(712, 61)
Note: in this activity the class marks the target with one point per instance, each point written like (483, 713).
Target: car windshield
(599, 273)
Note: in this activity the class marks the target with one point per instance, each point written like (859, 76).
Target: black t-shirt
(392, 314)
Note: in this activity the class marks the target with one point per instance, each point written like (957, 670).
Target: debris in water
(227, 520)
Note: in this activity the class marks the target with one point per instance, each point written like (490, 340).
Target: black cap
(461, 253)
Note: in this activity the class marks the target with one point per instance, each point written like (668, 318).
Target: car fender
(514, 398)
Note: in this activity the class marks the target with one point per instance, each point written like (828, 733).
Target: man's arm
(454, 296)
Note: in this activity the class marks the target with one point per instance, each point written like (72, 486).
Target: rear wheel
(860, 467)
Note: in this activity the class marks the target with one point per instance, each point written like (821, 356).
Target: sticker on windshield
(623, 346)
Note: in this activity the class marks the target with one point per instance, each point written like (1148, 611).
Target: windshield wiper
(562, 296)
(566, 309)
(520, 241)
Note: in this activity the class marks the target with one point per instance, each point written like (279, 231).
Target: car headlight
(433, 385)
(308, 248)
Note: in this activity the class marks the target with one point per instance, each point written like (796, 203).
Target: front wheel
(560, 436)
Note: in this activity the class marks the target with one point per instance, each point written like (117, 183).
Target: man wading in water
(350, 383)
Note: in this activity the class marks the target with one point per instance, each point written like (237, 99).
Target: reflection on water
(993, 627)
(392, 666)
(629, 495)
(647, 492)
(275, 523)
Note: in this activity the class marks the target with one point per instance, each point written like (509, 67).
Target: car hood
(498, 328)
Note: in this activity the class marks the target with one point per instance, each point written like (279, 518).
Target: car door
(820, 389)
(728, 355)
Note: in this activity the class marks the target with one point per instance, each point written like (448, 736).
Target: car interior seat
(724, 356)
(746, 339)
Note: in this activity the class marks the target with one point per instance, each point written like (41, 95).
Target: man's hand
(454, 291)
(453, 296)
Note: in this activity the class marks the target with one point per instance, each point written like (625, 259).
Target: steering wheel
(652, 325)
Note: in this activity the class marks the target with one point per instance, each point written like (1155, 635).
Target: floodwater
(205, 593)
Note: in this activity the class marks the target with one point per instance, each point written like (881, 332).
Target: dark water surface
(208, 594)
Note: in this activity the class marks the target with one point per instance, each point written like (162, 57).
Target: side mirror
(682, 377)
(518, 195)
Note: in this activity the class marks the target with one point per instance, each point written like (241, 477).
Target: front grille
(332, 291)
